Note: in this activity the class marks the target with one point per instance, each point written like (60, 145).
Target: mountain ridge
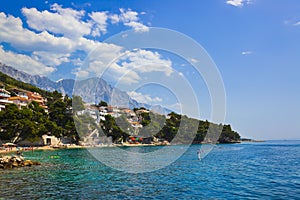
(92, 90)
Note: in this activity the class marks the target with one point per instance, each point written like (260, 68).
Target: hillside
(38, 81)
(32, 122)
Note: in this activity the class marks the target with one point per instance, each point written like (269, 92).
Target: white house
(51, 140)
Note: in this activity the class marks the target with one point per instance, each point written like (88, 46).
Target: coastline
(73, 146)
(51, 148)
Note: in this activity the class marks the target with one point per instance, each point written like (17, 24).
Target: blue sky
(254, 43)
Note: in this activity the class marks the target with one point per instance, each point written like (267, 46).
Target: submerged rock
(27, 163)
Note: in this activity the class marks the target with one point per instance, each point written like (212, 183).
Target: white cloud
(64, 21)
(128, 15)
(246, 52)
(56, 35)
(137, 27)
(129, 18)
(49, 58)
(146, 61)
(144, 98)
(100, 20)
(76, 62)
(297, 23)
(239, 3)
(114, 18)
(81, 74)
(100, 57)
(12, 31)
(127, 67)
(24, 63)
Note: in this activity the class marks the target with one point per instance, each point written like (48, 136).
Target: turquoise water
(269, 170)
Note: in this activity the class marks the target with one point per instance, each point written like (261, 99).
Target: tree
(19, 124)
(102, 103)
(77, 103)
(57, 112)
(111, 128)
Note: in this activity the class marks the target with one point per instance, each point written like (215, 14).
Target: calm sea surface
(269, 170)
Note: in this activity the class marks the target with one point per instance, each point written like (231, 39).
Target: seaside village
(132, 117)
(22, 98)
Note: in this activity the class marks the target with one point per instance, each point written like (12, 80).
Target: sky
(255, 45)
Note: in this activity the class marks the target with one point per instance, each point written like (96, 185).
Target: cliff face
(92, 90)
(39, 81)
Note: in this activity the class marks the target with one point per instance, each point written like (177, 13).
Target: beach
(73, 146)
(28, 149)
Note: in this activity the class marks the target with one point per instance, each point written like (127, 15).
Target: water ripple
(239, 171)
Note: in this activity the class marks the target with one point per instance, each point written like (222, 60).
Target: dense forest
(32, 122)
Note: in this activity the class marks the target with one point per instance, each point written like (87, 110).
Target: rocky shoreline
(9, 162)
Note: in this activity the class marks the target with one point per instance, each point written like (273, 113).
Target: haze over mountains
(92, 90)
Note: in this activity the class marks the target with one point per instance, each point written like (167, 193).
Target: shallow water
(235, 171)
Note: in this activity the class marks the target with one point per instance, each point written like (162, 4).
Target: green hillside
(9, 83)
(32, 122)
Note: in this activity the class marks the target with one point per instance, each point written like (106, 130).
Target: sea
(263, 170)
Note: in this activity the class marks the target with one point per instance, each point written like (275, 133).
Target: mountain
(92, 90)
(39, 81)
(65, 86)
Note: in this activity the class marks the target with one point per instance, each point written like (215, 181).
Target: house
(50, 140)
(4, 95)
(115, 115)
(20, 92)
(36, 97)
(136, 125)
(140, 111)
(19, 101)
(110, 109)
(129, 113)
(23, 97)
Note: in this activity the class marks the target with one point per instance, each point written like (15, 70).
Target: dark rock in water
(8, 165)
(15, 164)
(9, 162)
(20, 159)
